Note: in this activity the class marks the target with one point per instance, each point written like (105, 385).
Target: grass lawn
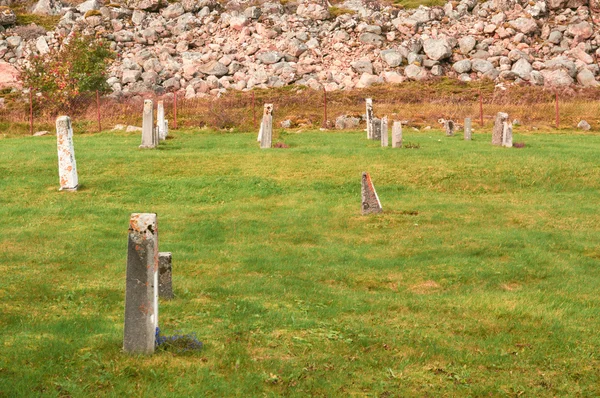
(481, 277)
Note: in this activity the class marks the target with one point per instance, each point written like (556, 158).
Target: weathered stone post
(148, 133)
(507, 134)
(449, 127)
(370, 200)
(266, 128)
(165, 267)
(384, 131)
(397, 135)
(498, 132)
(141, 291)
(67, 168)
(376, 129)
(160, 120)
(468, 129)
(369, 103)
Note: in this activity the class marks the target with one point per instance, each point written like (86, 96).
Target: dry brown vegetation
(418, 104)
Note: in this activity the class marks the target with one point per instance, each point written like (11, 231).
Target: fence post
(480, 108)
(557, 110)
(175, 110)
(253, 111)
(324, 108)
(31, 111)
(98, 110)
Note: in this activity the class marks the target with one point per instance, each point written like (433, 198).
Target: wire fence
(307, 108)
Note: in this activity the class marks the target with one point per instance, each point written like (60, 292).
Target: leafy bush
(76, 67)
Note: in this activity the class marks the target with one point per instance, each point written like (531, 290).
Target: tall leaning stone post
(468, 129)
(384, 131)
(160, 120)
(369, 102)
(165, 269)
(141, 290)
(266, 127)
(67, 168)
(369, 199)
(397, 135)
(148, 133)
(498, 132)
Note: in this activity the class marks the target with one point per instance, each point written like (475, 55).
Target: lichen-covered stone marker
(149, 137)
(370, 200)
(468, 129)
(160, 121)
(376, 128)
(266, 127)
(397, 135)
(384, 131)
(369, 103)
(498, 132)
(141, 291)
(449, 127)
(165, 267)
(67, 168)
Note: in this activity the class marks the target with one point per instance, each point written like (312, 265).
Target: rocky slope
(203, 47)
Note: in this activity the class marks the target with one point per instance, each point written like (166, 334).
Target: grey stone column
(468, 129)
(141, 290)
(369, 103)
(384, 131)
(376, 129)
(148, 133)
(160, 120)
(67, 167)
(498, 132)
(507, 134)
(165, 268)
(397, 135)
(266, 128)
(370, 200)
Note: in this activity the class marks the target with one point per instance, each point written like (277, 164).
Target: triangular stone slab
(370, 200)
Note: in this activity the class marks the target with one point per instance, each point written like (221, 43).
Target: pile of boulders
(203, 47)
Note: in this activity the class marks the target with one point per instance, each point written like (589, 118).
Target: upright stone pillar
(449, 127)
(67, 168)
(376, 129)
(165, 266)
(384, 131)
(149, 138)
(498, 132)
(370, 200)
(397, 135)
(369, 103)
(468, 129)
(266, 128)
(160, 120)
(141, 291)
(507, 134)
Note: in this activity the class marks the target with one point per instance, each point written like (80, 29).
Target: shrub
(76, 67)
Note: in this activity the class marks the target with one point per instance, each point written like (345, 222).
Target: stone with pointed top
(370, 200)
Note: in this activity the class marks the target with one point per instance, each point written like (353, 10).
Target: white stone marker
(384, 131)
(397, 135)
(149, 138)
(507, 134)
(160, 120)
(468, 129)
(67, 168)
(141, 290)
(266, 127)
(369, 102)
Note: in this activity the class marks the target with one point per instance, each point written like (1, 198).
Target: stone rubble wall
(202, 47)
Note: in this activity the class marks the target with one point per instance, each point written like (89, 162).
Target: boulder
(46, 7)
(313, 11)
(7, 16)
(586, 78)
(344, 122)
(522, 68)
(9, 76)
(581, 31)
(367, 80)
(437, 49)
(173, 11)
(362, 66)
(583, 125)
(557, 78)
(391, 57)
(269, 57)
(370, 38)
(214, 68)
(415, 72)
(463, 66)
(147, 5)
(524, 25)
(560, 4)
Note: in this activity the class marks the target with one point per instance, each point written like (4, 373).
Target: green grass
(481, 277)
